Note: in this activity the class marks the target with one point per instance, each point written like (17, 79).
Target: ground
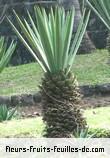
(96, 101)
(87, 102)
(33, 127)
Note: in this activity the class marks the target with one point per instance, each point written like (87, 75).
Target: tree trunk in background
(87, 45)
(2, 12)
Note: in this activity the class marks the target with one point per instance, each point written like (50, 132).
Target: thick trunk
(87, 45)
(61, 111)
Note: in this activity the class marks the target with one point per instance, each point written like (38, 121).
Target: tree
(48, 40)
(86, 45)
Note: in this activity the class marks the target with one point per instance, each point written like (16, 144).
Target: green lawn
(99, 117)
(22, 128)
(33, 127)
(89, 68)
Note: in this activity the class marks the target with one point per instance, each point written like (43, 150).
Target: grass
(99, 117)
(33, 127)
(89, 68)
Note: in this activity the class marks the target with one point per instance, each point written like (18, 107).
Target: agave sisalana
(102, 9)
(48, 38)
(5, 52)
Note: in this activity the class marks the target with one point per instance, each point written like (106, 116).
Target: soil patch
(87, 102)
(96, 101)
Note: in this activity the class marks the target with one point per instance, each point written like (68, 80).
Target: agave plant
(102, 9)
(48, 38)
(6, 113)
(83, 133)
(5, 52)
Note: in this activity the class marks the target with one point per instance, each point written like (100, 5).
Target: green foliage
(6, 113)
(82, 133)
(92, 133)
(99, 133)
(49, 36)
(102, 9)
(5, 52)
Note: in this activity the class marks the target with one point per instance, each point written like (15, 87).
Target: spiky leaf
(5, 52)
(48, 38)
(102, 9)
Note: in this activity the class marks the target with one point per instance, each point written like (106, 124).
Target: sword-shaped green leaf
(5, 52)
(48, 37)
(102, 9)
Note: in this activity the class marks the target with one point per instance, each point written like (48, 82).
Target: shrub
(99, 133)
(6, 113)
(92, 133)
(83, 133)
